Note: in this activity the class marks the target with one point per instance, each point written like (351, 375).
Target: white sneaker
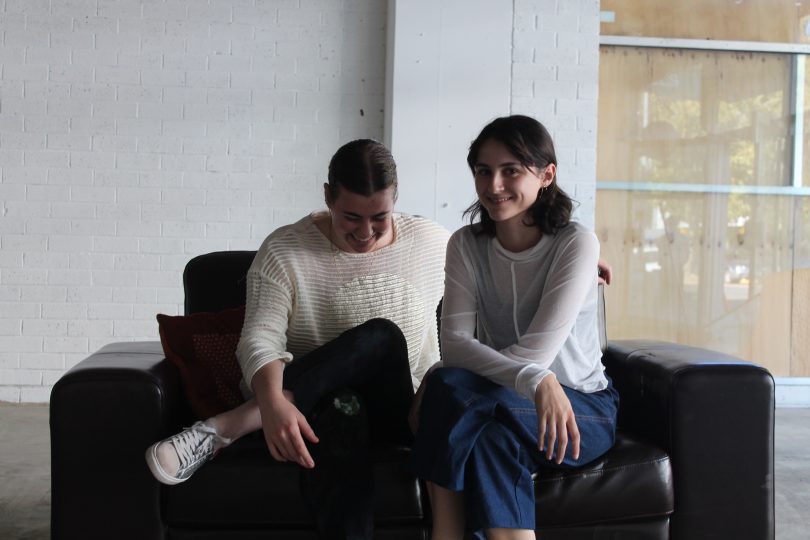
(175, 459)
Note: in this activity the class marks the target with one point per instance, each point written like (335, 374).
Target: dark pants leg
(355, 388)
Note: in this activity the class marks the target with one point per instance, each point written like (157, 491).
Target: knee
(449, 377)
(382, 331)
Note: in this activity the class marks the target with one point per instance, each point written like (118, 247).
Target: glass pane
(786, 21)
(720, 271)
(704, 117)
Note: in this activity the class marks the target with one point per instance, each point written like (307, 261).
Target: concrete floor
(25, 489)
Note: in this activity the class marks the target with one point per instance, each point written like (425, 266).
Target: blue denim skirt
(479, 437)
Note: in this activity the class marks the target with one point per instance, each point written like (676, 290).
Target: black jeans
(365, 366)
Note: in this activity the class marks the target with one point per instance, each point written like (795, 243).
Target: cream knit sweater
(303, 292)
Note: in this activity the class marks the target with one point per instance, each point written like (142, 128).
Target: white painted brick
(96, 194)
(44, 259)
(184, 128)
(71, 74)
(89, 295)
(184, 95)
(28, 242)
(49, 378)
(118, 212)
(227, 164)
(90, 227)
(219, 11)
(137, 161)
(46, 227)
(10, 394)
(128, 233)
(140, 94)
(115, 178)
(134, 295)
(205, 111)
(110, 311)
(44, 327)
(103, 57)
(114, 143)
(80, 159)
(161, 245)
(205, 146)
(15, 276)
(162, 77)
(39, 293)
(119, 8)
(228, 96)
(11, 225)
(146, 329)
(139, 126)
(10, 327)
(35, 394)
(234, 130)
(9, 360)
(69, 177)
(58, 141)
(114, 109)
(16, 310)
(232, 30)
(20, 344)
(207, 79)
(90, 329)
(93, 126)
(207, 245)
(26, 210)
(12, 192)
(227, 230)
(163, 179)
(10, 158)
(69, 277)
(28, 377)
(115, 278)
(42, 124)
(91, 261)
(69, 244)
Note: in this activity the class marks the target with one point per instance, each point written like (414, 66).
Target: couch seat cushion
(245, 486)
(633, 481)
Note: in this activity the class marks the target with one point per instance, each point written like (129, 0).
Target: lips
(498, 200)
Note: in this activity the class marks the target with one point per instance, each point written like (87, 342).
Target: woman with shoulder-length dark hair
(522, 384)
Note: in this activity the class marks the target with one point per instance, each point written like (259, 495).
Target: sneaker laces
(197, 442)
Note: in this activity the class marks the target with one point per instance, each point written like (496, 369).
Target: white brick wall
(555, 74)
(137, 134)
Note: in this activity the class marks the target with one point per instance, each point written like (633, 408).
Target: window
(703, 172)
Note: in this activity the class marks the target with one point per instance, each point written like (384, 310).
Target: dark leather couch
(693, 459)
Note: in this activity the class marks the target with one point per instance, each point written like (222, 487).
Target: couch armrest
(714, 414)
(104, 413)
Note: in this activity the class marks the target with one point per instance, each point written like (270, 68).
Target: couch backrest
(216, 281)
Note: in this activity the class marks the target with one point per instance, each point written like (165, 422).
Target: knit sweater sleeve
(267, 309)
(525, 363)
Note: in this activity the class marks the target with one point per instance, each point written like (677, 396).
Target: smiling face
(506, 188)
(360, 223)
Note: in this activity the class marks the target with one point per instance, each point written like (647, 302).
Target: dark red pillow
(203, 347)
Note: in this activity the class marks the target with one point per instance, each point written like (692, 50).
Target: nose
(496, 182)
(365, 230)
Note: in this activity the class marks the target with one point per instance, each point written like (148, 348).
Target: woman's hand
(555, 420)
(284, 426)
(285, 429)
(604, 272)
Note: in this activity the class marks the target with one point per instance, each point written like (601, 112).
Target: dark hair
(364, 167)
(530, 142)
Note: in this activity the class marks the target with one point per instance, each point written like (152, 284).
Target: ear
(549, 174)
(327, 197)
